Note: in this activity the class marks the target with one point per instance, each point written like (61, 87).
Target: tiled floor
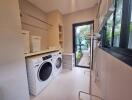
(85, 59)
(66, 86)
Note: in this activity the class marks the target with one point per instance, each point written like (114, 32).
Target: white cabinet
(68, 60)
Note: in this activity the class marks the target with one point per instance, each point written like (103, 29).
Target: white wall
(115, 77)
(13, 77)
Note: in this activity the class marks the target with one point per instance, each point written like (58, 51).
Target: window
(108, 35)
(113, 26)
(117, 21)
(130, 34)
(117, 32)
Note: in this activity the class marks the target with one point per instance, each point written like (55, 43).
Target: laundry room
(65, 49)
(49, 60)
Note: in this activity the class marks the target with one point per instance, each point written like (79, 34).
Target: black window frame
(122, 52)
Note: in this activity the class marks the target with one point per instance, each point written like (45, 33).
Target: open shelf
(61, 36)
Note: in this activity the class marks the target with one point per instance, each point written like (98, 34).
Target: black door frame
(74, 38)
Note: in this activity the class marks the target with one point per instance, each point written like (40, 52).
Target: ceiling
(65, 6)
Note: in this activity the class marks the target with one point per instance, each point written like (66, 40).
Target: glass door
(81, 46)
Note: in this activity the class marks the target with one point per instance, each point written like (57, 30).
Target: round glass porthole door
(45, 71)
(58, 63)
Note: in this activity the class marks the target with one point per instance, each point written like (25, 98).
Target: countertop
(41, 52)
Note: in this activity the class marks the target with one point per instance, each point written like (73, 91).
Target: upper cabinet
(105, 9)
(55, 33)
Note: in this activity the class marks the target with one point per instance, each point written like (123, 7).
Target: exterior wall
(69, 19)
(28, 8)
(114, 77)
(13, 76)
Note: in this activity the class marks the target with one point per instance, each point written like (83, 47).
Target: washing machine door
(58, 63)
(45, 71)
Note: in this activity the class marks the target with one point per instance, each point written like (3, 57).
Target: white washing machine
(57, 61)
(40, 73)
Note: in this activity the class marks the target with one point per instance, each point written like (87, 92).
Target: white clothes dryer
(57, 61)
(40, 73)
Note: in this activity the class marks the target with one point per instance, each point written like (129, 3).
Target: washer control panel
(47, 57)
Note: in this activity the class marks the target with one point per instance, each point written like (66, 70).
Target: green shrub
(78, 55)
(131, 27)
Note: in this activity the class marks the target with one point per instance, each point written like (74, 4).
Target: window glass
(118, 18)
(103, 32)
(130, 34)
(108, 36)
